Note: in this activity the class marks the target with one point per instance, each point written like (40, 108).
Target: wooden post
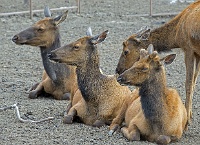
(150, 13)
(31, 10)
(78, 6)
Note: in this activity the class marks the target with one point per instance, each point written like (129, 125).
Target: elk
(183, 31)
(58, 79)
(155, 112)
(102, 94)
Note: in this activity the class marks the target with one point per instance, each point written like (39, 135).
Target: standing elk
(183, 31)
(155, 112)
(58, 80)
(102, 94)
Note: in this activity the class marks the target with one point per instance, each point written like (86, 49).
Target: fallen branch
(21, 119)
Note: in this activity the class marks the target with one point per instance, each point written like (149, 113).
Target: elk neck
(164, 38)
(152, 94)
(89, 76)
(54, 70)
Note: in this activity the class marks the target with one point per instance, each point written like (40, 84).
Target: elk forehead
(45, 23)
(82, 41)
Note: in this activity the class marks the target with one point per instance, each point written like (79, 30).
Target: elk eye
(144, 69)
(40, 30)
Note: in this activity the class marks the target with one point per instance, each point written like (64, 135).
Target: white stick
(21, 119)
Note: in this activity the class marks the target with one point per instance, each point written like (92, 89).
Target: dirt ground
(21, 67)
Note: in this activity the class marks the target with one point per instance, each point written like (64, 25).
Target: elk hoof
(114, 128)
(110, 133)
(98, 123)
(68, 119)
(163, 139)
(66, 96)
(32, 95)
(173, 138)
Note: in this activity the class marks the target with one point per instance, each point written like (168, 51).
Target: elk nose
(15, 38)
(120, 79)
(51, 55)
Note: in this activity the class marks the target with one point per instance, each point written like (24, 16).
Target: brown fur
(183, 31)
(155, 112)
(58, 80)
(102, 94)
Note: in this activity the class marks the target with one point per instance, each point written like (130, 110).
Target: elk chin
(20, 42)
(55, 60)
(126, 84)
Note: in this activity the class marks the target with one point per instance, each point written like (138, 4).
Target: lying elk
(57, 79)
(157, 114)
(102, 95)
(183, 31)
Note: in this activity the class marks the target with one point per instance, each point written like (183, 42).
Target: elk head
(131, 49)
(42, 33)
(78, 52)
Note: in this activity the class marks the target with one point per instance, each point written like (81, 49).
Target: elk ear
(59, 19)
(47, 12)
(143, 34)
(150, 49)
(99, 38)
(89, 32)
(168, 59)
(143, 53)
(152, 54)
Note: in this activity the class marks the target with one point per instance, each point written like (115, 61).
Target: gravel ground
(21, 67)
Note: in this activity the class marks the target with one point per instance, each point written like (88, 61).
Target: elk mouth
(19, 42)
(53, 57)
(122, 81)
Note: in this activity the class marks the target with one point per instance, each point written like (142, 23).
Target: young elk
(157, 114)
(57, 79)
(102, 95)
(183, 31)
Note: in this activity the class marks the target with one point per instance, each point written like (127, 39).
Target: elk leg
(69, 106)
(98, 123)
(197, 68)
(34, 94)
(68, 119)
(189, 61)
(118, 120)
(33, 87)
(132, 133)
(163, 139)
(66, 96)
(58, 95)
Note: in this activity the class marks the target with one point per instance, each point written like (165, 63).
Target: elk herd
(152, 111)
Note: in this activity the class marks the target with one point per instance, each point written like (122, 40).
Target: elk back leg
(118, 120)
(132, 132)
(189, 84)
(99, 123)
(58, 95)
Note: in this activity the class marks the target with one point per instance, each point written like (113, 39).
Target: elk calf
(155, 112)
(102, 95)
(57, 79)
